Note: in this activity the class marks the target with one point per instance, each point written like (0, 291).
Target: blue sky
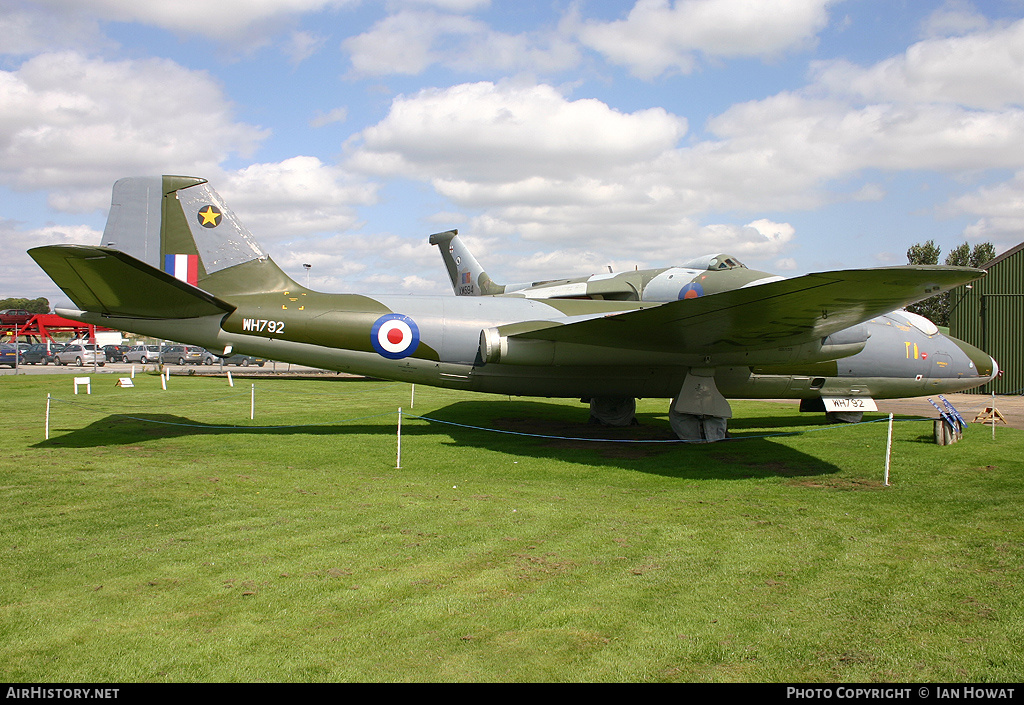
(560, 138)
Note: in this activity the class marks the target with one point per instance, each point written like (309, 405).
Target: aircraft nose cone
(984, 364)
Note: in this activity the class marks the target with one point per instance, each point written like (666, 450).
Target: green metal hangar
(990, 315)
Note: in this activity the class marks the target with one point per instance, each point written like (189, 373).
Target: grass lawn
(148, 540)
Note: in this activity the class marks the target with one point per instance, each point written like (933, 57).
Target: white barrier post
(888, 450)
(398, 462)
(231, 382)
(47, 416)
(252, 402)
(163, 382)
(412, 397)
(133, 371)
(993, 416)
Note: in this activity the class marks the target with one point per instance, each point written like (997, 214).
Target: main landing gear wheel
(700, 413)
(613, 411)
(844, 416)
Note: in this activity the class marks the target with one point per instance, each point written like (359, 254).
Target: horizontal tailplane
(112, 283)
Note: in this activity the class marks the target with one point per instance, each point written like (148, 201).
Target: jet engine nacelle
(511, 350)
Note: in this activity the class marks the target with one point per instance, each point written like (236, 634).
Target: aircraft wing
(786, 312)
(110, 282)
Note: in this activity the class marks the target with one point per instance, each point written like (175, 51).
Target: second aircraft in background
(898, 354)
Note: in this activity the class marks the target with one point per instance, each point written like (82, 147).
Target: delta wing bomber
(895, 354)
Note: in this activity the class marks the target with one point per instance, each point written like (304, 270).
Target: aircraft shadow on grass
(521, 429)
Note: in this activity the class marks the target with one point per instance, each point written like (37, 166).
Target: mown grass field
(137, 551)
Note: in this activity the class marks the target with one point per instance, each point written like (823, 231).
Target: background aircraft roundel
(395, 336)
(691, 291)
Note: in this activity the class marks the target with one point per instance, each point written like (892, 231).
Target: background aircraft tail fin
(468, 277)
(181, 226)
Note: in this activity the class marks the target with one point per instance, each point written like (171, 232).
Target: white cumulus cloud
(983, 70)
(295, 197)
(411, 41)
(222, 19)
(505, 132)
(73, 125)
(658, 36)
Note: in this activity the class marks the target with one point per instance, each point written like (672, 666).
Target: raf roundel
(693, 290)
(395, 336)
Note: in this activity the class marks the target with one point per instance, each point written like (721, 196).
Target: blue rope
(635, 440)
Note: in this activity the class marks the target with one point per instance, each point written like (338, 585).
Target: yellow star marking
(209, 216)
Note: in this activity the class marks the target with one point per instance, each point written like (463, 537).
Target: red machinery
(41, 327)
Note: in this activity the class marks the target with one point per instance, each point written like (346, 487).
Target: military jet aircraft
(176, 263)
(897, 354)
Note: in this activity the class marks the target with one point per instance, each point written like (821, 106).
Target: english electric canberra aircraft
(176, 263)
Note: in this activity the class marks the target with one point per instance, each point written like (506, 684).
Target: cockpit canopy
(714, 262)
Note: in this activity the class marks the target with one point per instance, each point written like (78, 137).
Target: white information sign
(849, 404)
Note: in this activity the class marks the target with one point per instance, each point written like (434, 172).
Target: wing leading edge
(787, 312)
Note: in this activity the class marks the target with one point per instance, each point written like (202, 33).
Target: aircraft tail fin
(181, 226)
(468, 277)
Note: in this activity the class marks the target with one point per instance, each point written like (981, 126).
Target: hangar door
(1003, 319)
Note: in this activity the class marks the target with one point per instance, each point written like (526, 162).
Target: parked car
(11, 316)
(182, 355)
(142, 354)
(9, 354)
(41, 354)
(80, 354)
(114, 353)
(244, 360)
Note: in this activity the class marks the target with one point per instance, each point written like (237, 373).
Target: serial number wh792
(262, 325)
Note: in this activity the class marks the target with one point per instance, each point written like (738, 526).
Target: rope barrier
(642, 440)
(100, 407)
(219, 427)
(234, 394)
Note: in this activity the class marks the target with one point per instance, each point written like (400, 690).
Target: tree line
(39, 305)
(937, 308)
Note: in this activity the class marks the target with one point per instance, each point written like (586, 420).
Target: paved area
(969, 406)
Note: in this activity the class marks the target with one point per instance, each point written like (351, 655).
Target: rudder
(181, 225)
(467, 275)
